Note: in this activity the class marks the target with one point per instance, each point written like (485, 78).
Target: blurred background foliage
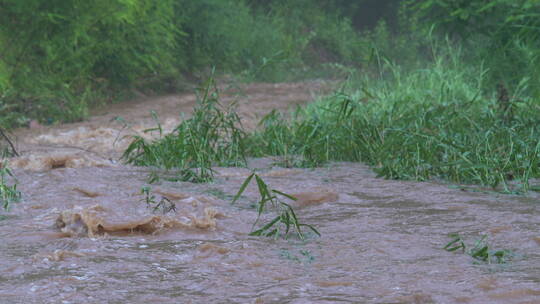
(502, 34)
(58, 58)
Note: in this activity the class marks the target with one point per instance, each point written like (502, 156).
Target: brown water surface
(83, 233)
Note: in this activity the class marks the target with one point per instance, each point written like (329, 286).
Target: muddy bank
(85, 233)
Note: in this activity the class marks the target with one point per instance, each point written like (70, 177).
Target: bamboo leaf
(242, 188)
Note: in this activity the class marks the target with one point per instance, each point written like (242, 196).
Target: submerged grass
(270, 199)
(8, 193)
(304, 256)
(481, 251)
(164, 204)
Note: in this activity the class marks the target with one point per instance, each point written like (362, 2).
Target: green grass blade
(242, 188)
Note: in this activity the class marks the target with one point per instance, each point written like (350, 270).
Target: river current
(83, 232)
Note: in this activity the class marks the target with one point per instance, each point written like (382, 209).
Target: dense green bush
(407, 123)
(59, 57)
(227, 34)
(321, 34)
(56, 56)
(503, 34)
(52, 52)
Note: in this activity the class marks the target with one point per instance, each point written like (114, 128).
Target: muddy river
(83, 233)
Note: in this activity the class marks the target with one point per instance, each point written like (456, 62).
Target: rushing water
(83, 233)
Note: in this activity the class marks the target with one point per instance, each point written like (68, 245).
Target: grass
(305, 257)
(8, 193)
(481, 251)
(439, 121)
(272, 199)
(216, 192)
(212, 136)
(165, 204)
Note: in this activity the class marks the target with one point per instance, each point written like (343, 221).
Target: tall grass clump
(301, 142)
(212, 136)
(433, 122)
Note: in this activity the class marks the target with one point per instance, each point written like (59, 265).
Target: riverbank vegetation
(8, 187)
(482, 251)
(436, 89)
(58, 58)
